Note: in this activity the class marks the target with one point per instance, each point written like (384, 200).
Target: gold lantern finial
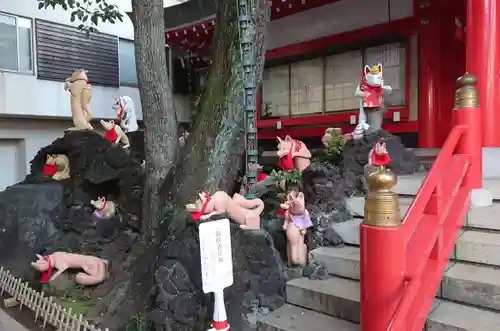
(381, 204)
(466, 95)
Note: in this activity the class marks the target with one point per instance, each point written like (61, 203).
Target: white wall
(25, 95)
(27, 136)
(337, 17)
(22, 94)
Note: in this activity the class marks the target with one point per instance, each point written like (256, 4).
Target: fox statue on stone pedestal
(371, 90)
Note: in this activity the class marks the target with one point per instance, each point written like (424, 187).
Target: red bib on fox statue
(111, 135)
(372, 87)
(293, 153)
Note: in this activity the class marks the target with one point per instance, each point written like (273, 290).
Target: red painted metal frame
(401, 267)
(314, 126)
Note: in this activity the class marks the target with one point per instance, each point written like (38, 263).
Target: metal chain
(252, 18)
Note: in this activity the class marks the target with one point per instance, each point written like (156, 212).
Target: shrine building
(316, 50)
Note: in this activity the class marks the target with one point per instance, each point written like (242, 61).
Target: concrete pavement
(7, 323)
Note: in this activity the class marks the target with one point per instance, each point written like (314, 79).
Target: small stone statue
(103, 208)
(57, 166)
(293, 153)
(371, 90)
(297, 221)
(81, 94)
(245, 212)
(381, 204)
(94, 269)
(125, 114)
(114, 134)
(378, 156)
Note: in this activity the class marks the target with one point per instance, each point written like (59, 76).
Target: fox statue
(371, 91)
(125, 114)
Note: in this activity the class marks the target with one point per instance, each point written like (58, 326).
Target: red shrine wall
(315, 60)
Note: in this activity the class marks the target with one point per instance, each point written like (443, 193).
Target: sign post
(216, 267)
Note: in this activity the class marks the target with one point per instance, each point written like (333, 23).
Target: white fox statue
(371, 91)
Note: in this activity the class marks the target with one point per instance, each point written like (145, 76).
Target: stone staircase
(468, 299)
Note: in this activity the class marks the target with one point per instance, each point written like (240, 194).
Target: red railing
(401, 267)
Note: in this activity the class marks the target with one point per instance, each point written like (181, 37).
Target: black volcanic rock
(97, 168)
(41, 215)
(259, 282)
(355, 155)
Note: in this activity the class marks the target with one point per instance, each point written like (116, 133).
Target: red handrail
(430, 228)
(401, 267)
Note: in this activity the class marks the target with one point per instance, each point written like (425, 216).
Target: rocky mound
(97, 168)
(158, 285)
(355, 155)
(259, 282)
(326, 189)
(41, 215)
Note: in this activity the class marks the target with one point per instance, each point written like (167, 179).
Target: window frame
(119, 65)
(404, 43)
(31, 72)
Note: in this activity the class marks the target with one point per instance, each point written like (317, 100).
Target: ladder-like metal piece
(252, 17)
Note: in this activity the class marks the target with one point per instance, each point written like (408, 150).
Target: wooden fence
(43, 307)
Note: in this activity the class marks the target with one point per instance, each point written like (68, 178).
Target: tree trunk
(214, 154)
(160, 138)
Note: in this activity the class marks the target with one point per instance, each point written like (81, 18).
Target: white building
(39, 48)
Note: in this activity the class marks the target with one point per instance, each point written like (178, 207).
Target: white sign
(216, 257)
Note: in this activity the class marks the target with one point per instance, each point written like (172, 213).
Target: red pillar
(428, 76)
(382, 266)
(483, 60)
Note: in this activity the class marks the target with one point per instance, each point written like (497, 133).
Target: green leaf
(40, 5)
(73, 16)
(71, 3)
(64, 5)
(112, 21)
(94, 19)
(85, 18)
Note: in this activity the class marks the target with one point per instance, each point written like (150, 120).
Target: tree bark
(214, 154)
(160, 138)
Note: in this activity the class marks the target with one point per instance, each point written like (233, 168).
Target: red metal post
(468, 112)
(382, 266)
(482, 49)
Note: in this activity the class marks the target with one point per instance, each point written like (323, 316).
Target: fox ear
(379, 66)
(39, 257)
(367, 69)
(288, 138)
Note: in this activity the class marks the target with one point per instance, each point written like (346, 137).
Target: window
(276, 89)
(392, 57)
(126, 54)
(342, 75)
(15, 44)
(328, 84)
(307, 87)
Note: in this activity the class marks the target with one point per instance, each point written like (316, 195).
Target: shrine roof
(189, 26)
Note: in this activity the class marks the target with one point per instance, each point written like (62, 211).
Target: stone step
(472, 284)
(339, 297)
(484, 217)
(339, 261)
(410, 184)
(293, 318)
(335, 296)
(479, 246)
(450, 316)
(472, 246)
